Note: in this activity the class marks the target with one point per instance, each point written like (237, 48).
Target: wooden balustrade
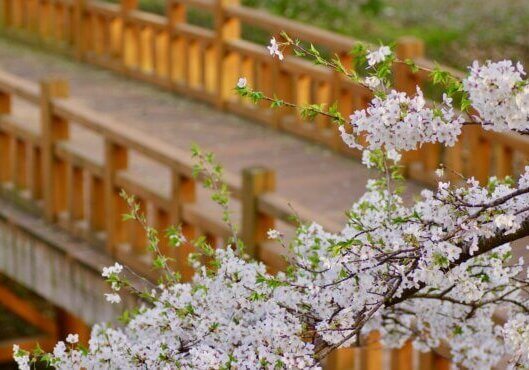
(198, 61)
(60, 177)
(79, 191)
(205, 63)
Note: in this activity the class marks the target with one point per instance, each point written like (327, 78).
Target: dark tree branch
(484, 245)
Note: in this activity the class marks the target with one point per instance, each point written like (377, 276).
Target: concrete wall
(62, 270)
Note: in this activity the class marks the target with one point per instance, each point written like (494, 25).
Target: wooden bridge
(68, 145)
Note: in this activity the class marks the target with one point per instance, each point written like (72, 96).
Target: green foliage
(211, 173)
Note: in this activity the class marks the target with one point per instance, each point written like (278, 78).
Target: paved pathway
(307, 174)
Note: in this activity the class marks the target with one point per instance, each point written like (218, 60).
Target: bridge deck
(307, 174)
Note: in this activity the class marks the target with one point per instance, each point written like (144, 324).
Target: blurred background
(455, 32)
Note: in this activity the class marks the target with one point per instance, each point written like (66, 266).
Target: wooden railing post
(35, 172)
(97, 220)
(432, 361)
(116, 159)
(6, 13)
(227, 68)
(53, 129)
(20, 172)
(371, 353)
(5, 151)
(183, 190)
(130, 50)
(405, 79)
(255, 182)
(402, 358)
(342, 359)
(176, 13)
(479, 165)
(339, 97)
(505, 156)
(78, 29)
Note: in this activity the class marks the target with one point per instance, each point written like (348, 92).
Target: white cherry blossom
(112, 297)
(378, 56)
(434, 270)
(274, 49)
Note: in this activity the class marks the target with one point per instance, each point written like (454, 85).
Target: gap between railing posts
(78, 31)
(5, 153)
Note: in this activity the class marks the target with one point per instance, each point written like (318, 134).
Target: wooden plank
(116, 159)
(256, 181)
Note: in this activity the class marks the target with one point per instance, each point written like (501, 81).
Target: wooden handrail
(102, 6)
(18, 86)
(206, 63)
(261, 19)
(63, 155)
(153, 148)
(274, 205)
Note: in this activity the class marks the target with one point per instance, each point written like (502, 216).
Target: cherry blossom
(112, 297)
(435, 270)
(21, 357)
(400, 122)
(112, 270)
(378, 56)
(499, 94)
(72, 338)
(241, 84)
(274, 50)
(273, 234)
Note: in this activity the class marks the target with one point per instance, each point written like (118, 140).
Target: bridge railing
(42, 163)
(205, 62)
(45, 167)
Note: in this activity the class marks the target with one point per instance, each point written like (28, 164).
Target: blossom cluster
(500, 95)
(388, 249)
(400, 122)
(378, 56)
(345, 285)
(111, 273)
(516, 336)
(435, 270)
(497, 90)
(222, 321)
